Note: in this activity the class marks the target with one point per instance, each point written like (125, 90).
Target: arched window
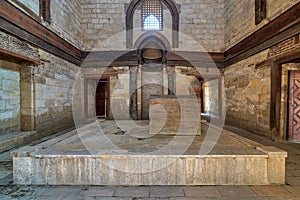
(152, 15)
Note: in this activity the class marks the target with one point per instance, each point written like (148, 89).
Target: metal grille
(45, 10)
(152, 15)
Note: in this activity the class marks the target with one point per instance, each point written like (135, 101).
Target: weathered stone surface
(67, 162)
(102, 20)
(12, 140)
(9, 97)
(11, 43)
(211, 100)
(173, 115)
(240, 17)
(152, 84)
(248, 95)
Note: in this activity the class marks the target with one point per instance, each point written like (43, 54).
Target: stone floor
(289, 191)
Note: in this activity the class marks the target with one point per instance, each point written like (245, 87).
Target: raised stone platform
(127, 155)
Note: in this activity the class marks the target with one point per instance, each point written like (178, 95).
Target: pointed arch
(155, 38)
(129, 21)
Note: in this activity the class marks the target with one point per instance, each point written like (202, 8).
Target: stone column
(133, 92)
(152, 84)
(171, 80)
(27, 97)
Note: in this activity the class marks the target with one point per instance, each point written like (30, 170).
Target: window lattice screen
(45, 10)
(152, 15)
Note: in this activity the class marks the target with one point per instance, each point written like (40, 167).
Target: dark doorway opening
(102, 98)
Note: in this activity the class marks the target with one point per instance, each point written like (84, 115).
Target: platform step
(15, 139)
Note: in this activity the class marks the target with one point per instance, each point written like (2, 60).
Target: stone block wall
(9, 97)
(170, 115)
(202, 21)
(65, 17)
(183, 83)
(54, 85)
(65, 20)
(248, 89)
(240, 18)
(46, 89)
(91, 92)
(101, 19)
(215, 25)
(248, 95)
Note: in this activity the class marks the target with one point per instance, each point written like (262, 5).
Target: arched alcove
(157, 40)
(129, 21)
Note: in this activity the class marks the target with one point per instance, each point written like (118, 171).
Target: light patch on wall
(9, 98)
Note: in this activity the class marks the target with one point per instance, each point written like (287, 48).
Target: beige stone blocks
(172, 115)
(40, 169)
(276, 164)
(248, 94)
(240, 18)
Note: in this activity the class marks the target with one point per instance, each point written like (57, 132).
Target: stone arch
(152, 37)
(129, 21)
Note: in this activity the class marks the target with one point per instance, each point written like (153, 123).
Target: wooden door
(101, 98)
(294, 106)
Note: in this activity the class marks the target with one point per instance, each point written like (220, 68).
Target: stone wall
(13, 44)
(248, 96)
(211, 97)
(240, 18)
(9, 97)
(183, 83)
(119, 94)
(46, 88)
(91, 92)
(169, 115)
(65, 20)
(202, 21)
(101, 19)
(54, 81)
(248, 90)
(65, 17)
